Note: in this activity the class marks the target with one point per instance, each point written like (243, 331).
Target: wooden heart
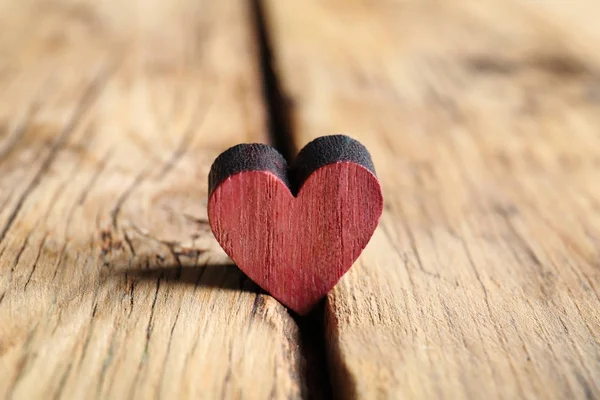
(295, 231)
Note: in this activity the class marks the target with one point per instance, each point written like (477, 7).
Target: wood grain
(111, 284)
(295, 230)
(482, 118)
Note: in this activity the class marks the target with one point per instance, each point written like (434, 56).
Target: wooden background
(483, 119)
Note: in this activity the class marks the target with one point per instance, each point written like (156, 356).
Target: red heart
(295, 247)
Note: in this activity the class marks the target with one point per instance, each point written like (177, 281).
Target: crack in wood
(88, 99)
(278, 104)
(313, 365)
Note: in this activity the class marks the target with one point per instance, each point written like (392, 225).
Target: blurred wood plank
(482, 117)
(111, 284)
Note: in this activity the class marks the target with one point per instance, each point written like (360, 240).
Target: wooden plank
(111, 284)
(482, 280)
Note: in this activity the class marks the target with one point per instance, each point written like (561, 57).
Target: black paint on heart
(322, 151)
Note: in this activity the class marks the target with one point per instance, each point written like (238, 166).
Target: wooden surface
(482, 280)
(483, 119)
(111, 114)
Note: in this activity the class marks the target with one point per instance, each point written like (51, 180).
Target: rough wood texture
(482, 118)
(111, 284)
(296, 247)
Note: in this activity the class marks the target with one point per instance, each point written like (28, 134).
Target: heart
(295, 231)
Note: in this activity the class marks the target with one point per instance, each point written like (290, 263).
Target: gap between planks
(279, 124)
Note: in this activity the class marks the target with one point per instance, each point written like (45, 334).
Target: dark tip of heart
(326, 150)
(247, 157)
(261, 157)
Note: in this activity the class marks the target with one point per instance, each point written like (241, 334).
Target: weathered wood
(295, 230)
(483, 279)
(111, 284)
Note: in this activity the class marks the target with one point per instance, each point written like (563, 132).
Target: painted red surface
(296, 248)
